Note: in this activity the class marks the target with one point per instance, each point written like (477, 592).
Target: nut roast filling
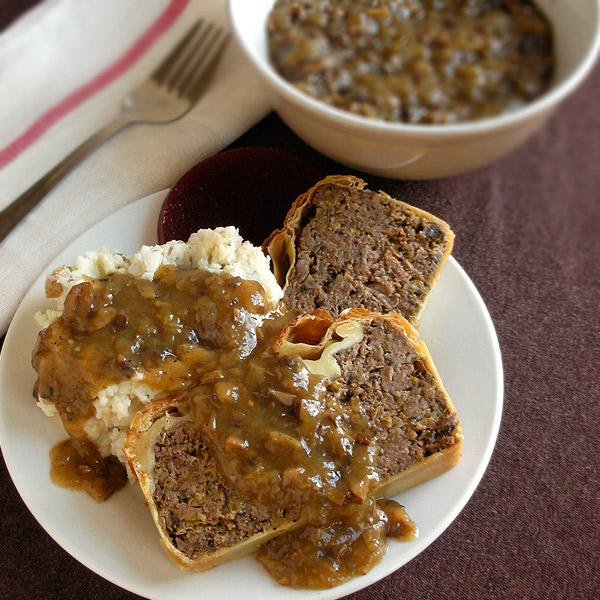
(359, 248)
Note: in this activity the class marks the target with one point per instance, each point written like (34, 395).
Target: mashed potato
(219, 250)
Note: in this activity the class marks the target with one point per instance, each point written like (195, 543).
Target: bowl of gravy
(416, 89)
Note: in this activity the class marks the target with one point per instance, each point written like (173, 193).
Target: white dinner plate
(118, 540)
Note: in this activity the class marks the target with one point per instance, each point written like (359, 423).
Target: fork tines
(189, 64)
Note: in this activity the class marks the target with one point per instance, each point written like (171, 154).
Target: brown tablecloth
(528, 234)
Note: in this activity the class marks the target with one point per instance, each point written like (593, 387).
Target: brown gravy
(414, 61)
(280, 433)
(160, 332)
(157, 331)
(79, 465)
(350, 544)
(288, 440)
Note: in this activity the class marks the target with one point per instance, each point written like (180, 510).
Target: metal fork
(172, 89)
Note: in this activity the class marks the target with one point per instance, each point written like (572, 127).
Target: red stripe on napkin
(100, 81)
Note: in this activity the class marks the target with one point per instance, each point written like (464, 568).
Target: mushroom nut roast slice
(343, 246)
(332, 413)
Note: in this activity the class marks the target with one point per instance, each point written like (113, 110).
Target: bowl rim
(532, 110)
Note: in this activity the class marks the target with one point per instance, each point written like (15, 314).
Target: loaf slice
(375, 361)
(344, 246)
(202, 520)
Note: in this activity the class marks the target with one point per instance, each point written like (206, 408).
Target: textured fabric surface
(528, 235)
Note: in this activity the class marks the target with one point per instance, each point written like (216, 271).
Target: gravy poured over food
(279, 432)
(159, 332)
(284, 437)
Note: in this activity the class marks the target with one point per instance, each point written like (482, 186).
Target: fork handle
(17, 210)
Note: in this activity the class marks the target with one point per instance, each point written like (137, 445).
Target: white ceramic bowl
(398, 150)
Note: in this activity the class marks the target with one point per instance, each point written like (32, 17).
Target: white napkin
(49, 62)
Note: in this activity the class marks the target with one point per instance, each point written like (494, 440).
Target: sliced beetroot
(250, 188)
